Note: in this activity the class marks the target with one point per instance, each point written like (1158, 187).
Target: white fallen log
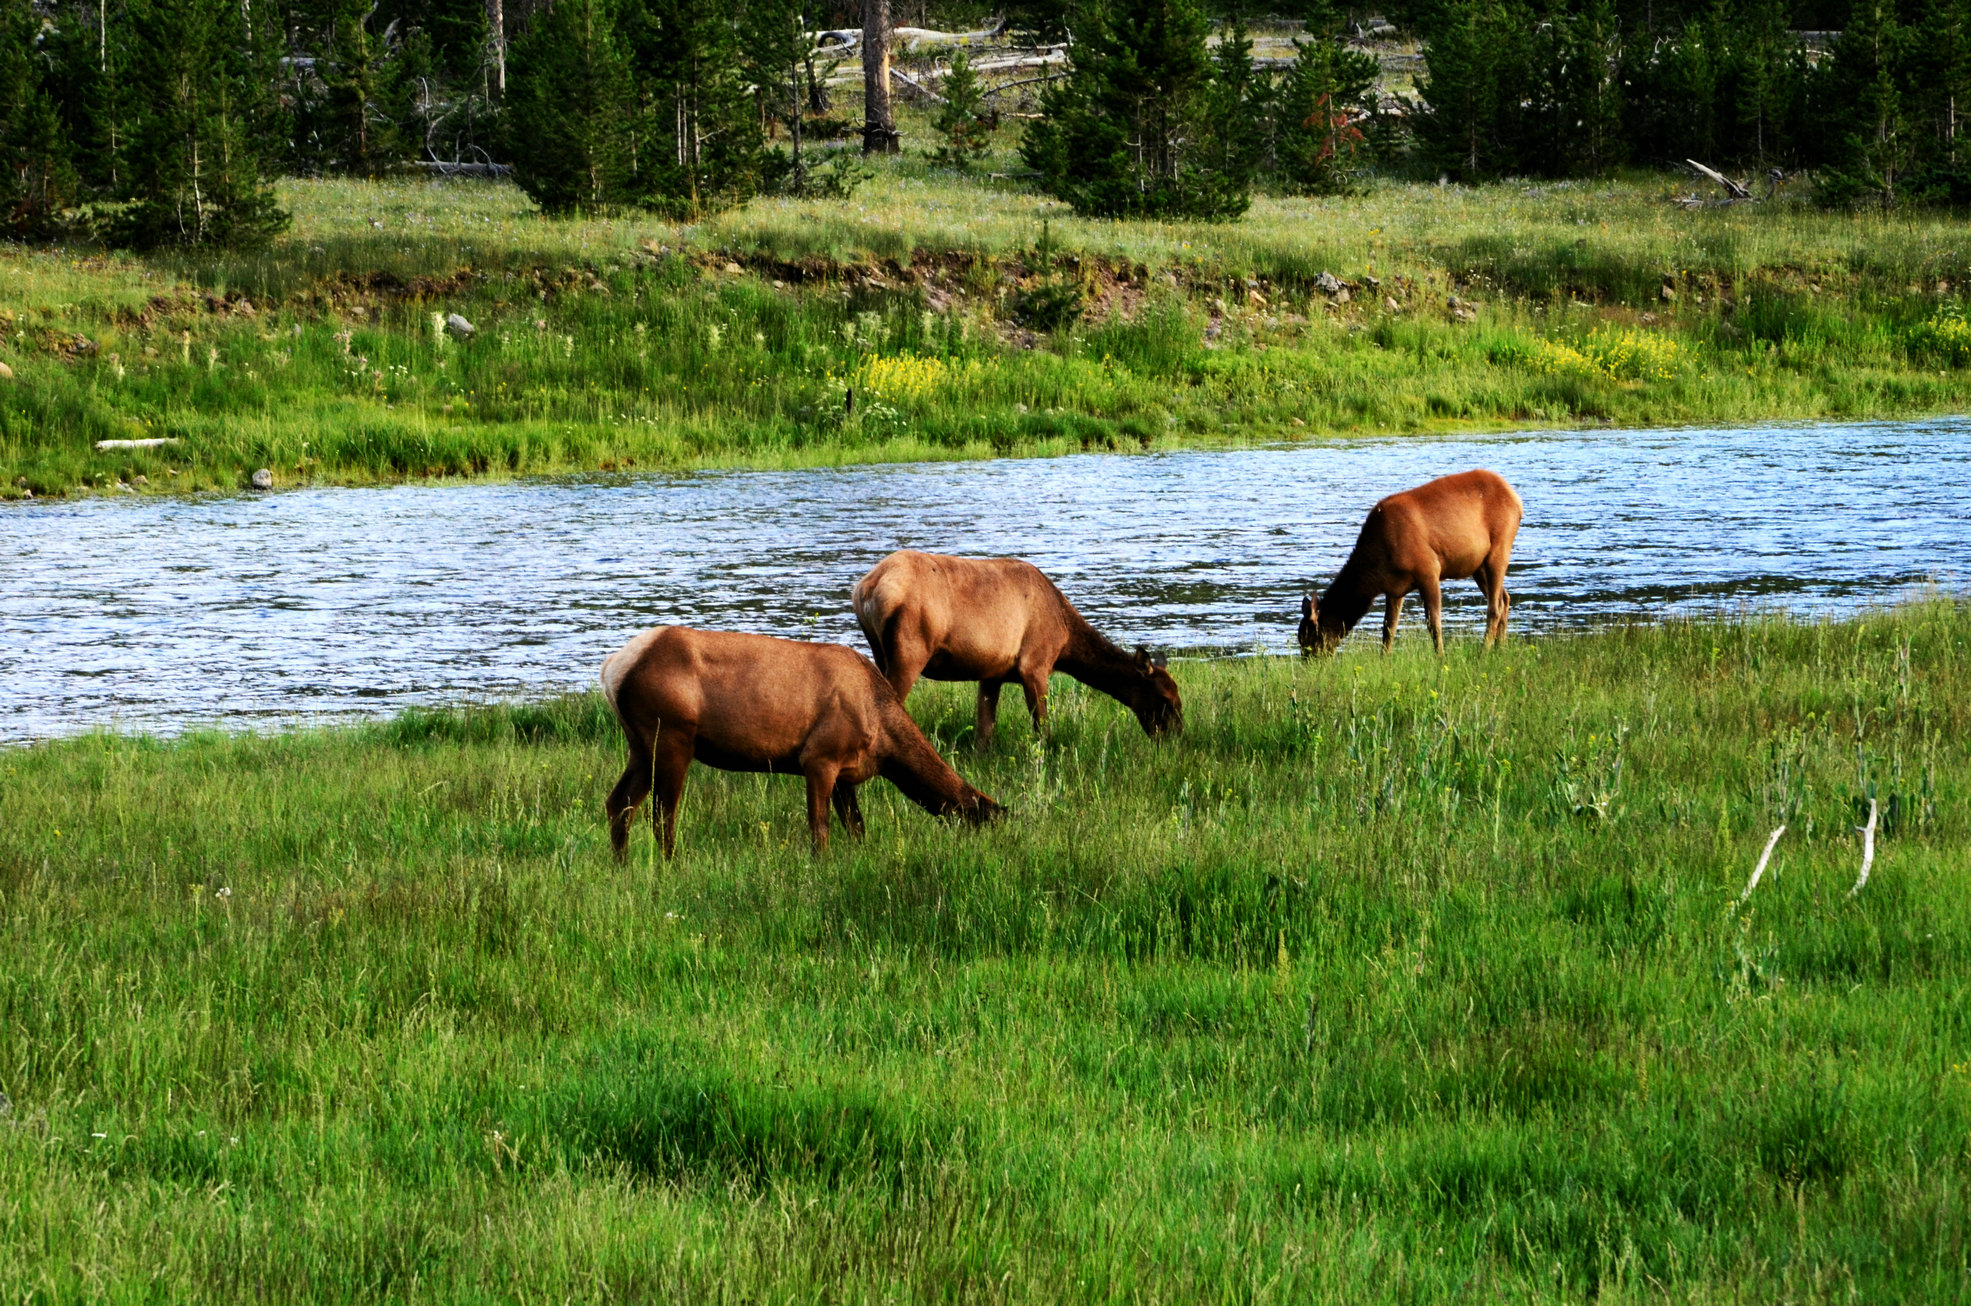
(1868, 849)
(1008, 65)
(1760, 869)
(1025, 81)
(443, 169)
(1044, 58)
(151, 443)
(915, 38)
(897, 74)
(1732, 188)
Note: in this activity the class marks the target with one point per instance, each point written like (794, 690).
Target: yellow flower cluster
(1623, 354)
(1945, 337)
(903, 377)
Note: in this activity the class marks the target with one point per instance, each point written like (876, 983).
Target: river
(159, 613)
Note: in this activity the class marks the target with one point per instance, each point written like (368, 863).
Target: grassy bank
(1389, 980)
(629, 342)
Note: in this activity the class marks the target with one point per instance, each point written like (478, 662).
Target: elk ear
(1307, 608)
(1160, 661)
(1142, 657)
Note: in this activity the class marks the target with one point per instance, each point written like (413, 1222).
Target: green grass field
(1389, 980)
(627, 342)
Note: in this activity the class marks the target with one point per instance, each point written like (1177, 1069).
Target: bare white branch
(1760, 869)
(1868, 849)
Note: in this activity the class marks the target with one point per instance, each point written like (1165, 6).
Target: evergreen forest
(150, 123)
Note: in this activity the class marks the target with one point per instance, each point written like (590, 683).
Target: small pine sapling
(963, 124)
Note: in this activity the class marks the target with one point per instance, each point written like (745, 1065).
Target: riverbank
(1387, 979)
(937, 301)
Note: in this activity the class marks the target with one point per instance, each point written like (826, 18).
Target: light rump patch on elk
(755, 703)
(1447, 529)
(999, 621)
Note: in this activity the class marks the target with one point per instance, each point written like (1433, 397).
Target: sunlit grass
(628, 342)
(1387, 979)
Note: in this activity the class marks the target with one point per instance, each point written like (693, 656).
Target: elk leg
(821, 786)
(672, 759)
(988, 717)
(1036, 691)
(1497, 602)
(620, 807)
(848, 809)
(1392, 613)
(1433, 597)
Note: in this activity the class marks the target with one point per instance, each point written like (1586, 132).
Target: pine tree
(963, 125)
(777, 51)
(1575, 123)
(1128, 132)
(1471, 122)
(86, 77)
(1877, 141)
(703, 150)
(1324, 97)
(1937, 81)
(1238, 111)
(569, 107)
(38, 185)
(360, 77)
(196, 171)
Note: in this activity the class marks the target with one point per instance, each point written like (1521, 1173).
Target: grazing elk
(754, 703)
(996, 621)
(1447, 529)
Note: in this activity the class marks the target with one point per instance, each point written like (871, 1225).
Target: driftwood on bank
(152, 443)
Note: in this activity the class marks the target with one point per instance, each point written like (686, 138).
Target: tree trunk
(496, 20)
(879, 125)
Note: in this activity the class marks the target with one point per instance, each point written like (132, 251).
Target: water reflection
(157, 614)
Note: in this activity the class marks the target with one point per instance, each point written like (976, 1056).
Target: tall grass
(604, 343)
(1393, 980)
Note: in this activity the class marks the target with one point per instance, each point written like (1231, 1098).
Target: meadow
(1407, 980)
(946, 303)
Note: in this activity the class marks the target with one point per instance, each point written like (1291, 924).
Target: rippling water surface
(157, 614)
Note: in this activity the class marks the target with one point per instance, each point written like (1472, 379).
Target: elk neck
(1346, 600)
(1098, 661)
(913, 766)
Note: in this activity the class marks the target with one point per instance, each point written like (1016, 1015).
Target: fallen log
(1024, 81)
(151, 443)
(1732, 188)
(897, 74)
(442, 169)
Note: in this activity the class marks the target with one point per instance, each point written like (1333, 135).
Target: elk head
(1156, 702)
(1314, 640)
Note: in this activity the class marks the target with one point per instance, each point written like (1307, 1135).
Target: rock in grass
(1328, 284)
(263, 479)
(458, 326)
(6, 373)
